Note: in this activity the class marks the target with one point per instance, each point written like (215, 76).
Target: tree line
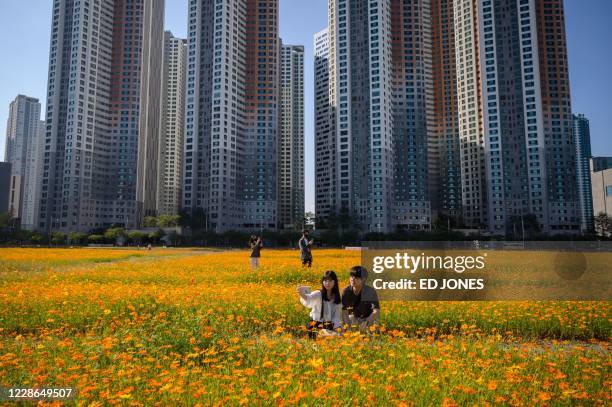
(336, 231)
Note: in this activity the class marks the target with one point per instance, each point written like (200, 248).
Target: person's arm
(374, 316)
(345, 317)
(306, 298)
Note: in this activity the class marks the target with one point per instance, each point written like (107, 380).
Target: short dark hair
(305, 231)
(359, 272)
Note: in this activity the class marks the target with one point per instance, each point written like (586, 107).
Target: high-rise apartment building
(32, 184)
(470, 114)
(325, 125)
(425, 122)
(173, 125)
(5, 185)
(360, 46)
(394, 103)
(416, 142)
(514, 103)
(103, 114)
(582, 140)
(232, 113)
(24, 137)
(291, 138)
(445, 159)
(452, 108)
(151, 98)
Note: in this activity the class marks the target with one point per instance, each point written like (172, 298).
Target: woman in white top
(325, 305)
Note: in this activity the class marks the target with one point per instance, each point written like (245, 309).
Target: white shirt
(331, 311)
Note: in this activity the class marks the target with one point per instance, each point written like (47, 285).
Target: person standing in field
(256, 245)
(306, 249)
(360, 305)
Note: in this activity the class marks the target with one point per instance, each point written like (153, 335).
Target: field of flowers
(167, 327)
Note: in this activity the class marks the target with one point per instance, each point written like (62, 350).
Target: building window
(609, 190)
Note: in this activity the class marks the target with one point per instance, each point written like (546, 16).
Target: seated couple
(357, 308)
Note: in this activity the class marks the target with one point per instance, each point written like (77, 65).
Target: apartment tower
(582, 140)
(103, 114)
(173, 125)
(5, 185)
(515, 114)
(232, 114)
(291, 139)
(394, 100)
(360, 46)
(24, 143)
(325, 134)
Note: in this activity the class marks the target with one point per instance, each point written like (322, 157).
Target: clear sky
(25, 27)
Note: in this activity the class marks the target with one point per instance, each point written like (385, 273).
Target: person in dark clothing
(306, 249)
(360, 305)
(256, 245)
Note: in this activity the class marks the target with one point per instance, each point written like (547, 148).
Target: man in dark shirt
(306, 249)
(360, 306)
(256, 245)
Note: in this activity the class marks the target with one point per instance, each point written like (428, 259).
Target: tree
(310, 219)
(113, 235)
(57, 238)
(76, 238)
(149, 222)
(603, 224)
(156, 235)
(96, 239)
(299, 224)
(168, 221)
(36, 238)
(136, 237)
(7, 220)
(174, 238)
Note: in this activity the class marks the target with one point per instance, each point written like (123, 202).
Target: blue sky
(25, 27)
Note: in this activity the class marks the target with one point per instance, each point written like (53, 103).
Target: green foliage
(156, 235)
(149, 222)
(7, 220)
(603, 224)
(77, 238)
(58, 238)
(96, 239)
(136, 237)
(36, 238)
(168, 221)
(113, 234)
